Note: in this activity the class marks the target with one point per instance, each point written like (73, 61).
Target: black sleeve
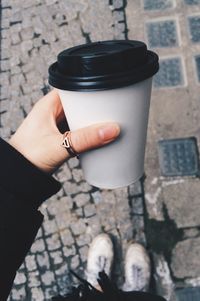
(23, 188)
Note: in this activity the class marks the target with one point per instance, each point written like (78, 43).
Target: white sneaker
(100, 258)
(137, 269)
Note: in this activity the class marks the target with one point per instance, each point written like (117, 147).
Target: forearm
(22, 189)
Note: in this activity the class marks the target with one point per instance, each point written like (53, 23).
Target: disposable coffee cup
(108, 81)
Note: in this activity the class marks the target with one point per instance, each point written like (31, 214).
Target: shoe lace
(86, 292)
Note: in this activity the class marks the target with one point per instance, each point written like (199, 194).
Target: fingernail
(109, 132)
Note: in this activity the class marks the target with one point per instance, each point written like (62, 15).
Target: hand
(39, 138)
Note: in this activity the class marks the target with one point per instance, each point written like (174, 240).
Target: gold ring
(67, 144)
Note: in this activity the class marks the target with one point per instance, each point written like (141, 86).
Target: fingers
(94, 136)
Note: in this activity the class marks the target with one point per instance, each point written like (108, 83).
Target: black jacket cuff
(20, 177)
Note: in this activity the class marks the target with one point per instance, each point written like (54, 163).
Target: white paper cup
(121, 162)
(108, 82)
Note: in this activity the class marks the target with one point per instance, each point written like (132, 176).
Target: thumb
(94, 136)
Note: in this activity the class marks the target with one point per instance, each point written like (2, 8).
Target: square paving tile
(194, 28)
(197, 61)
(178, 157)
(188, 294)
(170, 73)
(192, 2)
(158, 4)
(162, 33)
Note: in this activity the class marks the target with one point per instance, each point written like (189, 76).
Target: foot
(100, 258)
(137, 269)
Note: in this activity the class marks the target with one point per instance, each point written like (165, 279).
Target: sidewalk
(161, 211)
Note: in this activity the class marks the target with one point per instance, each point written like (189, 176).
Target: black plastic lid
(103, 65)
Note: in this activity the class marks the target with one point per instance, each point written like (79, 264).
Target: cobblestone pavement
(166, 220)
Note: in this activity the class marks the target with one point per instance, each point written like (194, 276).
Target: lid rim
(143, 64)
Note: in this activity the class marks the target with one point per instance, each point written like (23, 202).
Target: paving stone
(31, 263)
(194, 24)
(66, 237)
(158, 4)
(182, 203)
(15, 38)
(20, 278)
(89, 210)
(33, 279)
(81, 199)
(85, 187)
(191, 232)
(188, 294)
(48, 278)
(37, 294)
(186, 254)
(162, 33)
(192, 2)
(178, 157)
(170, 73)
(75, 261)
(63, 219)
(78, 227)
(135, 189)
(97, 197)
(27, 33)
(77, 174)
(49, 227)
(84, 239)
(79, 212)
(19, 294)
(71, 188)
(43, 260)
(38, 246)
(73, 162)
(69, 251)
(118, 4)
(64, 173)
(137, 206)
(197, 62)
(53, 242)
(56, 257)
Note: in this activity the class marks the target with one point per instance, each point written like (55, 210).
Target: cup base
(113, 186)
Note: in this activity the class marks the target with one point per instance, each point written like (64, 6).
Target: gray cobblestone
(73, 162)
(31, 263)
(18, 294)
(75, 261)
(69, 251)
(83, 240)
(81, 199)
(48, 278)
(57, 257)
(33, 279)
(67, 237)
(37, 294)
(89, 210)
(53, 242)
(78, 227)
(62, 219)
(137, 206)
(20, 278)
(77, 174)
(79, 212)
(43, 260)
(38, 246)
(50, 227)
(97, 197)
